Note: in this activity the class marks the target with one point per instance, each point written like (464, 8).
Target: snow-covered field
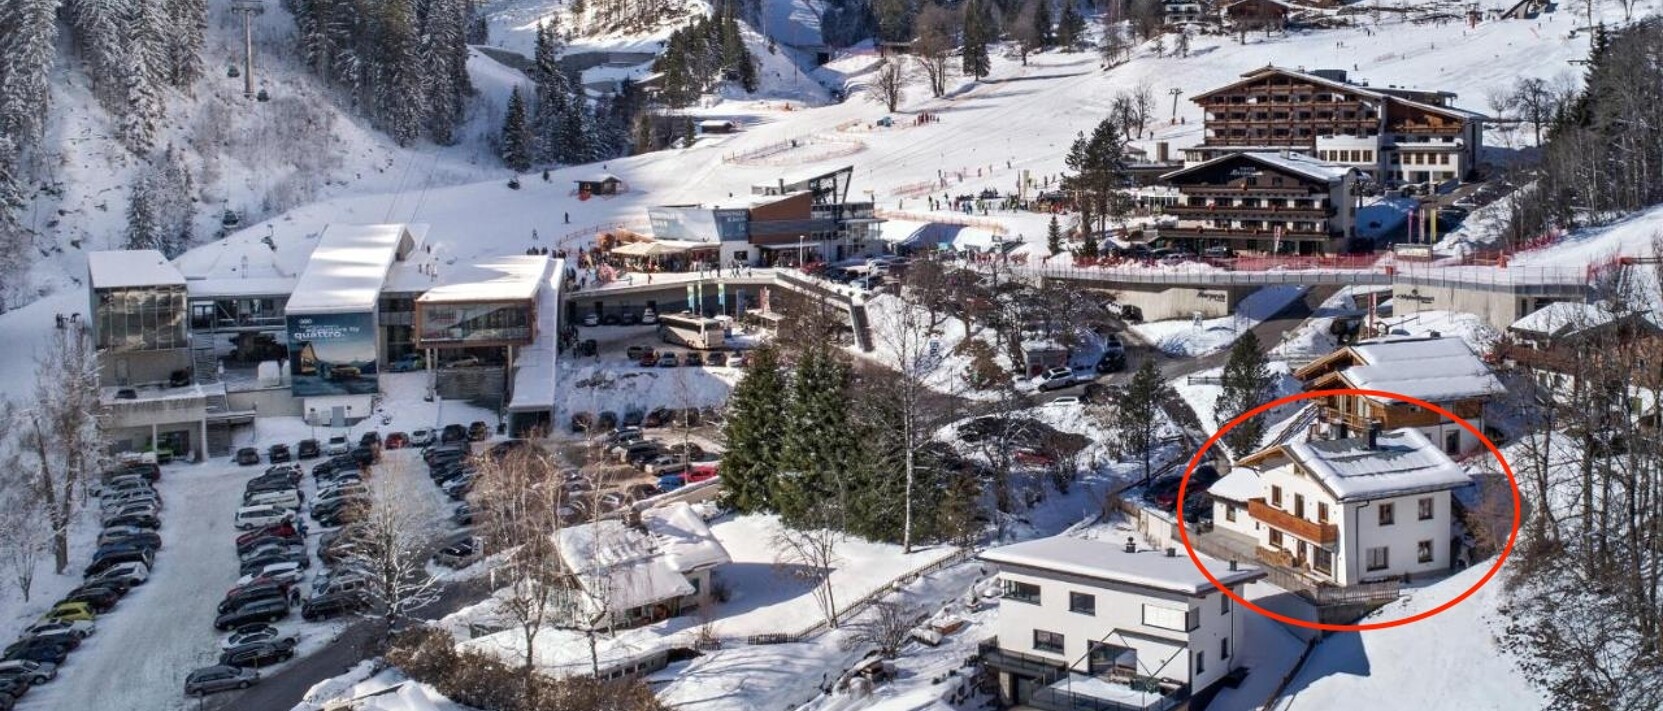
(1450, 661)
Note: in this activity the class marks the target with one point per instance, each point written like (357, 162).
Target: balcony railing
(1275, 211)
(1318, 533)
(1239, 232)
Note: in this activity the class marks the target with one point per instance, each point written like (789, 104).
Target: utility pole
(1175, 92)
(248, 9)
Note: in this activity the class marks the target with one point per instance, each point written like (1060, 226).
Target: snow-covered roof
(1561, 317)
(1403, 462)
(348, 267)
(534, 376)
(119, 269)
(233, 287)
(600, 178)
(1107, 560)
(1358, 89)
(619, 564)
(1241, 484)
(518, 279)
(1286, 161)
(1431, 369)
(683, 537)
(715, 122)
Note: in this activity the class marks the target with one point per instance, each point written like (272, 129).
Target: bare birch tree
(933, 48)
(393, 542)
(57, 439)
(810, 554)
(518, 499)
(889, 84)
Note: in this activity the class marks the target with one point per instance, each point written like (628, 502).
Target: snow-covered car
(81, 629)
(649, 316)
(421, 438)
(337, 445)
(591, 319)
(1065, 401)
(133, 574)
(281, 573)
(460, 554)
(257, 632)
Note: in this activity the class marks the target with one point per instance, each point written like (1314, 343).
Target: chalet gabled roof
(1295, 163)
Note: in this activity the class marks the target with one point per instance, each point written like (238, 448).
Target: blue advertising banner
(332, 354)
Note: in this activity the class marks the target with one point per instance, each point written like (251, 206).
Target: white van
(252, 517)
(286, 498)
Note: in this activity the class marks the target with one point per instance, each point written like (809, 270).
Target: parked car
(591, 319)
(692, 358)
(397, 440)
(648, 359)
(421, 437)
(283, 529)
(81, 629)
(337, 445)
(149, 521)
(248, 456)
(365, 456)
(664, 464)
(1055, 378)
(258, 632)
(478, 431)
(257, 654)
(308, 449)
(671, 482)
(636, 353)
(1111, 362)
(718, 359)
(325, 606)
(35, 672)
(460, 554)
(278, 453)
(696, 475)
(141, 537)
(288, 499)
(668, 360)
(42, 651)
(606, 421)
(70, 612)
(208, 680)
(463, 515)
(275, 573)
(649, 316)
(263, 610)
(132, 508)
(407, 363)
(251, 517)
(465, 362)
(453, 433)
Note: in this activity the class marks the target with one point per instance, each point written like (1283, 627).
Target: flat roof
(1108, 560)
(346, 270)
(234, 287)
(517, 278)
(118, 269)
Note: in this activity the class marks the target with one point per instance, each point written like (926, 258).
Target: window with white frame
(1423, 550)
(1379, 558)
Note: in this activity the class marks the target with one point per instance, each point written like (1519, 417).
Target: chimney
(1232, 565)
(1374, 435)
(1131, 545)
(1171, 552)
(1161, 152)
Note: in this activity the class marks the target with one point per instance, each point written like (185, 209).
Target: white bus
(691, 330)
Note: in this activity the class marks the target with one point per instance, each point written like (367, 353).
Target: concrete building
(1085, 622)
(1392, 135)
(1356, 510)
(784, 223)
(1439, 370)
(1274, 203)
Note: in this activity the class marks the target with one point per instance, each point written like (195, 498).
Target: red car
(699, 473)
(397, 440)
(1029, 457)
(285, 529)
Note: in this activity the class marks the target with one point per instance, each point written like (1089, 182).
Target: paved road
(288, 686)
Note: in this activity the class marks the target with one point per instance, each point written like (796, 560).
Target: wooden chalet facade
(1441, 371)
(1393, 136)
(1264, 15)
(1582, 354)
(1263, 202)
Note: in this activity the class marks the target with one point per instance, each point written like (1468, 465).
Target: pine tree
(575, 131)
(28, 32)
(977, 34)
(553, 93)
(174, 203)
(400, 100)
(753, 433)
(1072, 27)
(1042, 23)
(516, 136)
(818, 442)
(142, 230)
(14, 239)
(1099, 165)
(188, 20)
(1053, 237)
(1246, 384)
(1089, 248)
(445, 51)
(1139, 410)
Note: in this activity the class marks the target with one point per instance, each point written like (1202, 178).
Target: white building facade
(1356, 510)
(1108, 621)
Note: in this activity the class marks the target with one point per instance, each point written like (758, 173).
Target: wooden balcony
(1358, 424)
(1318, 533)
(1241, 211)
(1240, 233)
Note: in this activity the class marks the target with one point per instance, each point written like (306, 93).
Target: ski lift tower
(248, 9)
